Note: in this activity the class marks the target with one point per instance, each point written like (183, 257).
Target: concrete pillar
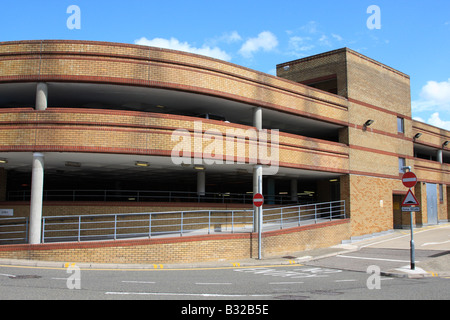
(37, 191)
(201, 182)
(257, 188)
(294, 196)
(257, 118)
(439, 156)
(2, 184)
(41, 96)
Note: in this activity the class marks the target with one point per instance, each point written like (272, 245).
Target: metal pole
(260, 220)
(413, 265)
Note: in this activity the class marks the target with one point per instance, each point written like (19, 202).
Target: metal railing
(165, 224)
(292, 216)
(144, 225)
(13, 230)
(145, 196)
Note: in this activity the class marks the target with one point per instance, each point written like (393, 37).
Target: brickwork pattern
(187, 249)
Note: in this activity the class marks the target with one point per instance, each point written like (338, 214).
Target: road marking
(213, 283)
(285, 282)
(345, 280)
(431, 243)
(187, 294)
(377, 259)
(144, 282)
(7, 275)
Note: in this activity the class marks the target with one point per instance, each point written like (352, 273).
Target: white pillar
(439, 156)
(294, 196)
(201, 181)
(37, 191)
(257, 118)
(41, 96)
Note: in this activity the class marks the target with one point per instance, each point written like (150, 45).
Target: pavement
(435, 239)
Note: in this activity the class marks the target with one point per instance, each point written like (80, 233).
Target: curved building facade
(96, 127)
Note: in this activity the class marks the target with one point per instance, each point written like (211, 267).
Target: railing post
(209, 222)
(79, 228)
(315, 212)
(232, 221)
(299, 215)
(26, 230)
(43, 230)
(331, 217)
(149, 225)
(181, 226)
(115, 226)
(281, 219)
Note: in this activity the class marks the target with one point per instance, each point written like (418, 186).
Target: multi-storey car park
(88, 132)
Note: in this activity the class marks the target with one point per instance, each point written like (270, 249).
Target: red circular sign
(409, 179)
(258, 200)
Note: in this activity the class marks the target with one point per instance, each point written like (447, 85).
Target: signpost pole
(260, 221)
(409, 180)
(413, 265)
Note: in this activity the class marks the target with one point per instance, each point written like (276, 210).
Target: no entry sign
(409, 179)
(258, 200)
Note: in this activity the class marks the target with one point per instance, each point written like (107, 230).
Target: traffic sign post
(258, 201)
(409, 180)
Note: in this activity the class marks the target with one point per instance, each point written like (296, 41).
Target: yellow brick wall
(186, 249)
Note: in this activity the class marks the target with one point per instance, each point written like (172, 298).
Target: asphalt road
(288, 282)
(346, 276)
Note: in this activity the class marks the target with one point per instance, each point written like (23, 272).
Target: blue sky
(414, 36)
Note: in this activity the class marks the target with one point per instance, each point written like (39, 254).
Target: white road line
(145, 282)
(345, 280)
(213, 283)
(187, 294)
(285, 282)
(7, 275)
(376, 259)
(431, 243)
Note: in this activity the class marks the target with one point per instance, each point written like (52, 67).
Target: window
(441, 193)
(401, 164)
(400, 125)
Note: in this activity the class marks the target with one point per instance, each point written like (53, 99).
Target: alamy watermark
(74, 280)
(374, 280)
(74, 20)
(236, 146)
(374, 21)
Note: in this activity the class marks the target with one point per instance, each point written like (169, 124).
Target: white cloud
(433, 96)
(175, 44)
(436, 121)
(266, 41)
(337, 37)
(231, 37)
(299, 44)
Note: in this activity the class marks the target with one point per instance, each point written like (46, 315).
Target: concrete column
(3, 184)
(257, 188)
(41, 96)
(294, 196)
(439, 156)
(257, 118)
(37, 191)
(201, 182)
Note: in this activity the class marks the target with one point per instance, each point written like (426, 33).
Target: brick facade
(366, 158)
